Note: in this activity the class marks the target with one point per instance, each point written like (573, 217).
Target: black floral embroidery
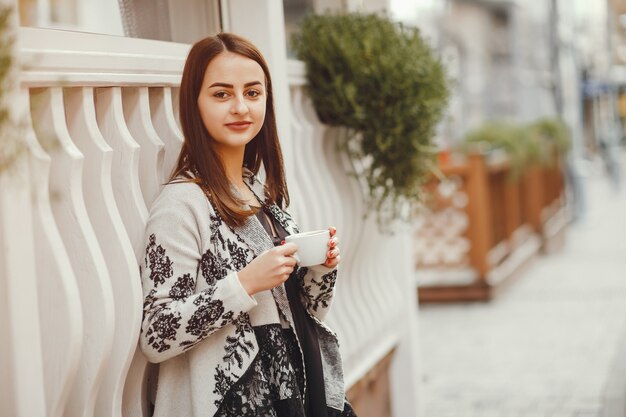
(149, 300)
(270, 378)
(283, 218)
(227, 317)
(238, 254)
(216, 234)
(162, 329)
(273, 384)
(183, 287)
(323, 294)
(239, 344)
(160, 264)
(209, 311)
(223, 383)
(213, 267)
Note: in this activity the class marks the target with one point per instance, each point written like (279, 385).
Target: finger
(331, 263)
(332, 231)
(290, 261)
(334, 241)
(287, 249)
(332, 253)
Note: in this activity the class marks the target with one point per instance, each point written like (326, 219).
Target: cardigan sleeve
(175, 316)
(318, 289)
(317, 282)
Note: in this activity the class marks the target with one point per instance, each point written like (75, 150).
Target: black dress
(274, 384)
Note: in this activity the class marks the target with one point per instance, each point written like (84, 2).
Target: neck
(232, 159)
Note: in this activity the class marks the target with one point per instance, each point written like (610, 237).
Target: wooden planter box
(545, 204)
(483, 227)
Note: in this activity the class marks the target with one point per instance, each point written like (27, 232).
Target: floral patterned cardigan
(197, 318)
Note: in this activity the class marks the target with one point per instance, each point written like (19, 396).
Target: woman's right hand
(269, 269)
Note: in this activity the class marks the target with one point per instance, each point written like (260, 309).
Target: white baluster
(80, 241)
(143, 127)
(329, 197)
(394, 255)
(317, 134)
(304, 167)
(405, 372)
(60, 310)
(115, 244)
(21, 377)
(136, 103)
(125, 169)
(351, 203)
(166, 126)
(377, 281)
(176, 104)
(358, 281)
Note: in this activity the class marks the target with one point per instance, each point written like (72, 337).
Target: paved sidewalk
(551, 345)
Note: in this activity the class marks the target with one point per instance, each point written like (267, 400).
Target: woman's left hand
(332, 256)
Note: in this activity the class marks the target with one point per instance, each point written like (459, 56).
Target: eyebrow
(251, 83)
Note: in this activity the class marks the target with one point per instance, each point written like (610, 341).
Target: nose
(239, 105)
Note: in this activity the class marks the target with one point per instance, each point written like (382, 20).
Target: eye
(254, 93)
(220, 94)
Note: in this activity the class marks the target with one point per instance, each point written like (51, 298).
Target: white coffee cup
(312, 247)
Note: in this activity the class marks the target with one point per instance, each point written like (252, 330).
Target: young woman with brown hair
(235, 324)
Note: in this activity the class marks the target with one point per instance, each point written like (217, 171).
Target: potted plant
(554, 137)
(535, 144)
(511, 139)
(384, 84)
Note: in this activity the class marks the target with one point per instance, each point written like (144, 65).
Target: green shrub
(553, 134)
(508, 137)
(382, 82)
(526, 145)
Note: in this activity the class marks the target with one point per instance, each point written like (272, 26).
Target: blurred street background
(554, 343)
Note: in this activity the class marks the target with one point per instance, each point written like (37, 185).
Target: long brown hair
(198, 153)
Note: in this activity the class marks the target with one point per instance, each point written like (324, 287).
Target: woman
(233, 321)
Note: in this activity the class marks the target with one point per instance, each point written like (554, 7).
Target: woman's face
(232, 101)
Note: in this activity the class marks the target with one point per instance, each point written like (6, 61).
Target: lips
(238, 125)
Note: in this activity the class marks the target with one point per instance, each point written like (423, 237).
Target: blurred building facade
(513, 60)
(510, 60)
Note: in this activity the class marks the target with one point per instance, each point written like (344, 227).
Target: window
(166, 20)
(294, 11)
